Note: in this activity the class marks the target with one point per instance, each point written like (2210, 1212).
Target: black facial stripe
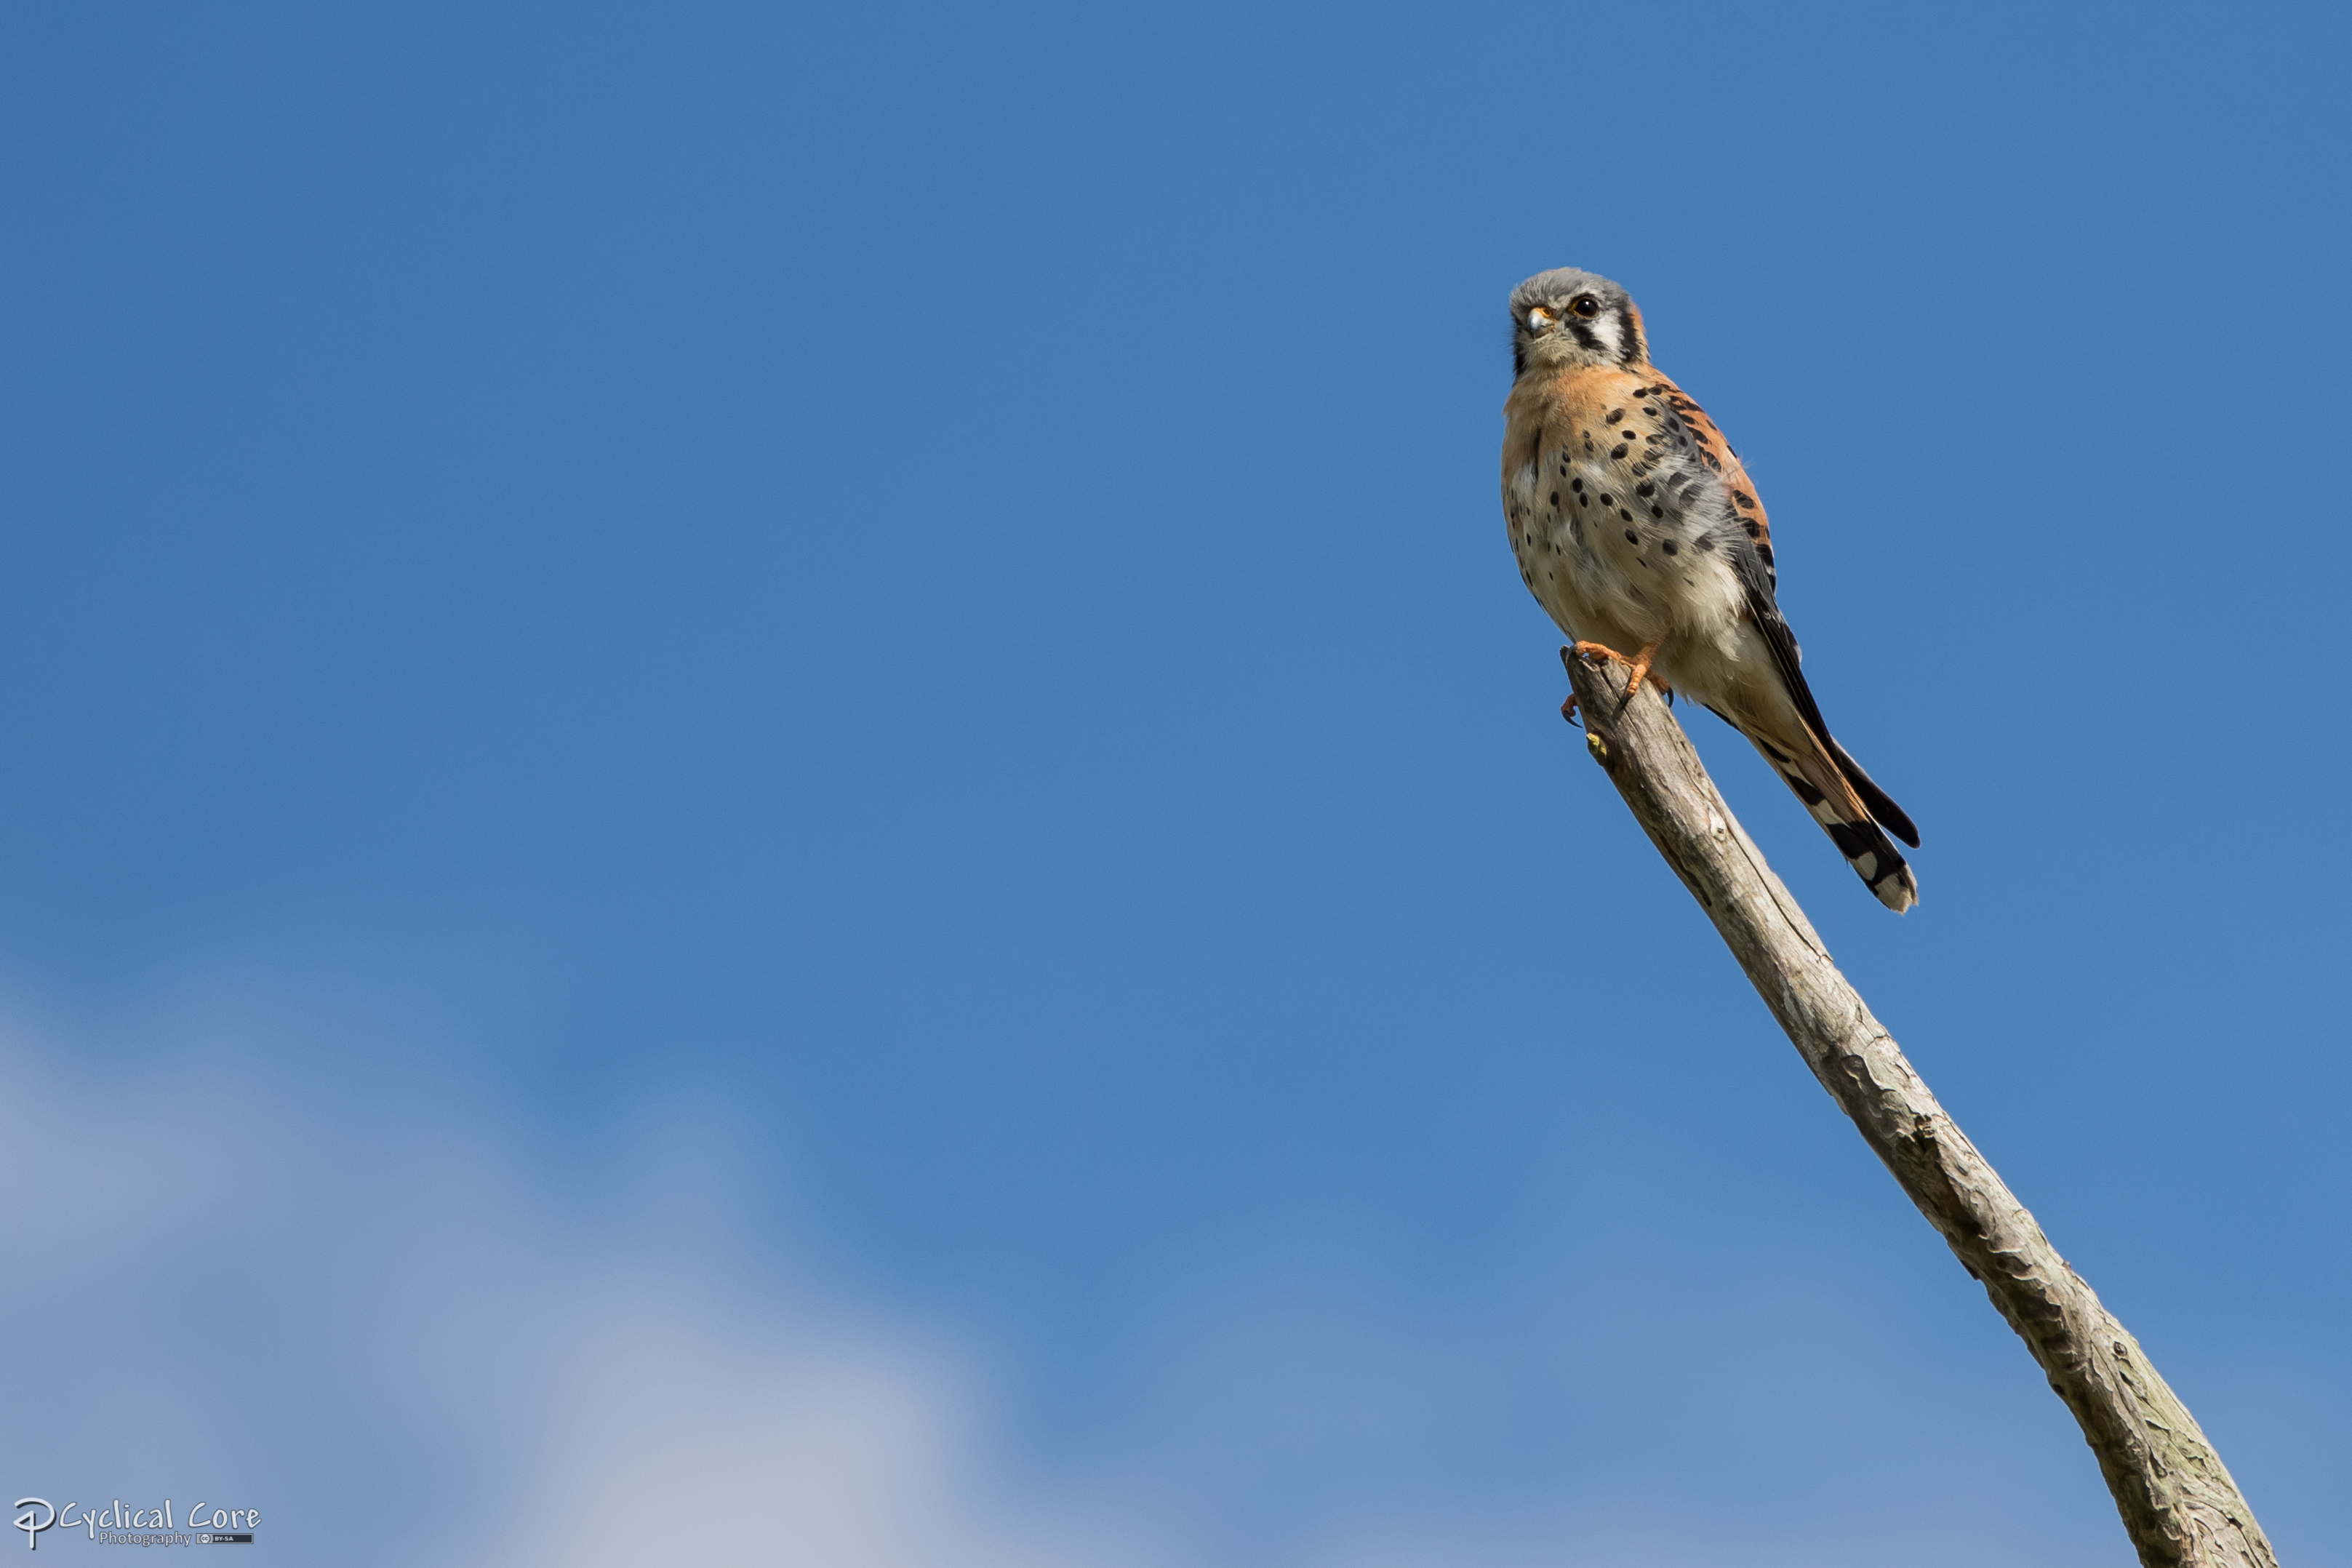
(1628, 334)
(1583, 334)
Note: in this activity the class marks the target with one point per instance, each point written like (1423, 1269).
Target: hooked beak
(1539, 319)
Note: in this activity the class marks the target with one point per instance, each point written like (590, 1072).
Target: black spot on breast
(1577, 485)
(1555, 498)
(1668, 547)
(1615, 414)
(1619, 452)
(1755, 530)
(1640, 392)
(1704, 541)
(1642, 489)
(1632, 537)
(1580, 501)
(1743, 497)
(1626, 515)
(1657, 512)
(1608, 499)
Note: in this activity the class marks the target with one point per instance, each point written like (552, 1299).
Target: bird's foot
(1639, 664)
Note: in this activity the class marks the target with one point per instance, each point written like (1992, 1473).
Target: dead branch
(2178, 1502)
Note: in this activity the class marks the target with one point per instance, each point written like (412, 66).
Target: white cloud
(351, 1306)
(352, 1301)
(686, 1430)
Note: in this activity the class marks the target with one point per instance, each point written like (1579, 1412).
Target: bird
(1637, 528)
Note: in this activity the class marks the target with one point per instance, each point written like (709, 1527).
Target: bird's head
(1569, 317)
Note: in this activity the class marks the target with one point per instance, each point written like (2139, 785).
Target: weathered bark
(2178, 1502)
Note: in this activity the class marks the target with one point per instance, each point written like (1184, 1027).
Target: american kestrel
(1639, 532)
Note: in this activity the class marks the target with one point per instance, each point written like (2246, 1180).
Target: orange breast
(1572, 409)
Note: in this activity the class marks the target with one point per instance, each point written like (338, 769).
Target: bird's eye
(1585, 305)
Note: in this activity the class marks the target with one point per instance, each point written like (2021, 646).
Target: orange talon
(1640, 663)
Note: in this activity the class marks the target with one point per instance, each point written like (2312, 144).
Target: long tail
(1836, 790)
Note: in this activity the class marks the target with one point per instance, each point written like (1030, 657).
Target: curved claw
(1639, 664)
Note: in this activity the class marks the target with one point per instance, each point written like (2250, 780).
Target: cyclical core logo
(35, 1516)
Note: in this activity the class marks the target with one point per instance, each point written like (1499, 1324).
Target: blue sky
(772, 788)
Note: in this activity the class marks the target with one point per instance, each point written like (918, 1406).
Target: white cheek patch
(1606, 329)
